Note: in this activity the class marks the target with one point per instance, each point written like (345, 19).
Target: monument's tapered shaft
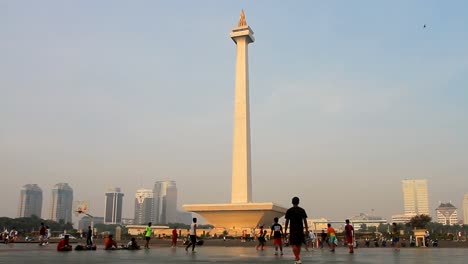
(241, 171)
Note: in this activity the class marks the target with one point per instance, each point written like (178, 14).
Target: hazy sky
(347, 99)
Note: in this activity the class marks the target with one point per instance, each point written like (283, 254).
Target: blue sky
(347, 99)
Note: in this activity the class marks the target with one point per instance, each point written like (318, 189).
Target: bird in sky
(424, 26)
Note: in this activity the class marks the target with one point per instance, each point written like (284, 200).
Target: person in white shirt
(193, 235)
(48, 235)
(311, 239)
(13, 234)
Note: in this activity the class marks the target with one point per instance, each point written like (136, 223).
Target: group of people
(8, 237)
(296, 221)
(44, 234)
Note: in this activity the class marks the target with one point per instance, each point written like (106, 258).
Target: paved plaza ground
(32, 253)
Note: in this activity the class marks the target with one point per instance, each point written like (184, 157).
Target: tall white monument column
(241, 213)
(241, 192)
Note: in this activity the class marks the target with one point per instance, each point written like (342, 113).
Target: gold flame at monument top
(242, 21)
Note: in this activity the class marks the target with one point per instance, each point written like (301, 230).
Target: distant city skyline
(97, 94)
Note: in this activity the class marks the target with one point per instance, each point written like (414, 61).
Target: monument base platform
(237, 216)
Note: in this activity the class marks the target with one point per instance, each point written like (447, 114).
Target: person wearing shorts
(298, 218)
(331, 237)
(148, 233)
(277, 234)
(349, 236)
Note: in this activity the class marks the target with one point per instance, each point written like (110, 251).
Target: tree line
(28, 225)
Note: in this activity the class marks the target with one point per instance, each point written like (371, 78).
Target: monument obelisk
(241, 213)
(241, 192)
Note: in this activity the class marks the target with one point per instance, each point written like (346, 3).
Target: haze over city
(347, 99)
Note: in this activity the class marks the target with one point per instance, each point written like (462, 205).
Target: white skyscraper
(465, 209)
(113, 206)
(62, 203)
(415, 197)
(165, 202)
(143, 206)
(447, 214)
(30, 202)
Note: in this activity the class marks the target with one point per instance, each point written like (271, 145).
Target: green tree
(420, 221)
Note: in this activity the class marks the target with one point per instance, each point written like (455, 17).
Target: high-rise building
(465, 209)
(113, 206)
(165, 202)
(30, 202)
(447, 214)
(143, 206)
(62, 203)
(415, 197)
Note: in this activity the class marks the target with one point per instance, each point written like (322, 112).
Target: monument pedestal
(237, 216)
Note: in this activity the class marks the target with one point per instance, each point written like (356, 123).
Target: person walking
(277, 234)
(193, 235)
(42, 234)
(323, 239)
(349, 236)
(148, 233)
(296, 220)
(331, 237)
(89, 237)
(260, 239)
(395, 236)
(174, 238)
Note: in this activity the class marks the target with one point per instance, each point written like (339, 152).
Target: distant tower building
(62, 203)
(165, 202)
(465, 209)
(415, 197)
(447, 214)
(30, 202)
(113, 206)
(143, 206)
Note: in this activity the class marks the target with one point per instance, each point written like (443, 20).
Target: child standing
(277, 233)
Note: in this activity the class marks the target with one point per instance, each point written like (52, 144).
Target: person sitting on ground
(64, 244)
(109, 243)
(133, 244)
(13, 234)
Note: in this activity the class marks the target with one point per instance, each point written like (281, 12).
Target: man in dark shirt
(298, 219)
(277, 233)
(323, 239)
(42, 234)
(89, 237)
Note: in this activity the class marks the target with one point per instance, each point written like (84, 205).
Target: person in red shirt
(64, 244)
(109, 243)
(174, 238)
(349, 236)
